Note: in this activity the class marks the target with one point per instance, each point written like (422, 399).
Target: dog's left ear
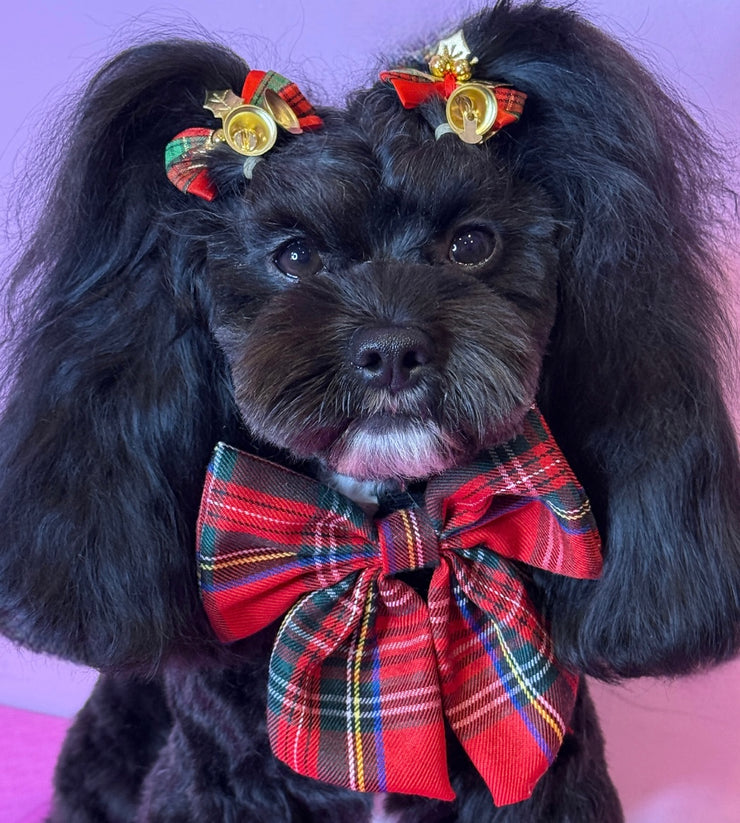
(117, 390)
(632, 385)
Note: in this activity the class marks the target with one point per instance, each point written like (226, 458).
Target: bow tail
(185, 163)
(353, 695)
(258, 82)
(414, 87)
(504, 695)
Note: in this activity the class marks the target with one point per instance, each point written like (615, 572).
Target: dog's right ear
(116, 392)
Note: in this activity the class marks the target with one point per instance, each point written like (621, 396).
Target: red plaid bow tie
(363, 671)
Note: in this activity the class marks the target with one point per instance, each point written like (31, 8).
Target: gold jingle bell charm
(453, 56)
(282, 113)
(249, 130)
(475, 110)
(471, 111)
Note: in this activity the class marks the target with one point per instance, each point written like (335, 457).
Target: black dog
(374, 303)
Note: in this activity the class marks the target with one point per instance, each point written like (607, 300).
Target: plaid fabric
(258, 82)
(363, 671)
(185, 154)
(415, 87)
(185, 163)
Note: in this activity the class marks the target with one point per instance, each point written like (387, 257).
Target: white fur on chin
(405, 450)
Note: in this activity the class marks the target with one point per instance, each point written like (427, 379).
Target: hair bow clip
(249, 126)
(475, 110)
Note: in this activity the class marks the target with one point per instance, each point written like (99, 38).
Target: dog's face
(384, 301)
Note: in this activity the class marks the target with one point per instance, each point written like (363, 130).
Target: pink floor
(673, 747)
(25, 778)
(674, 750)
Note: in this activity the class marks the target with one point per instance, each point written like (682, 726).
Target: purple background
(674, 747)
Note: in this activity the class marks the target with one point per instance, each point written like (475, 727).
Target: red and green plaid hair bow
(476, 110)
(363, 671)
(249, 127)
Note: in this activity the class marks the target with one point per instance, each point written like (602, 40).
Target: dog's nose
(390, 357)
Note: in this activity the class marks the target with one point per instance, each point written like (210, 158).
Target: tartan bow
(186, 154)
(259, 83)
(476, 110)
(416, 87)
(363, 671)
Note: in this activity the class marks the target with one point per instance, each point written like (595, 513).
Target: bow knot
(407, 541)
(364, 673)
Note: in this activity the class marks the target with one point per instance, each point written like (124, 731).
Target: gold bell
(472, 109)
(249, 130)
(284, 115)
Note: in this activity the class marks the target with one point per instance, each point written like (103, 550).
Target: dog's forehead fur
(378, 180)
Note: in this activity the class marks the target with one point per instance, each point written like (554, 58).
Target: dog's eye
(298, 258)
(472, 246)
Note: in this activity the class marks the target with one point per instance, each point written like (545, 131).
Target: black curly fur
(152, 324)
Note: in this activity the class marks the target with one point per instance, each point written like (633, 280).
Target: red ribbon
(185, 162)
(364, 671)
(186, 154)
(415, 87)
(257, 82)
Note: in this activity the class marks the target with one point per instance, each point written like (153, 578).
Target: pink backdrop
(674, 748)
